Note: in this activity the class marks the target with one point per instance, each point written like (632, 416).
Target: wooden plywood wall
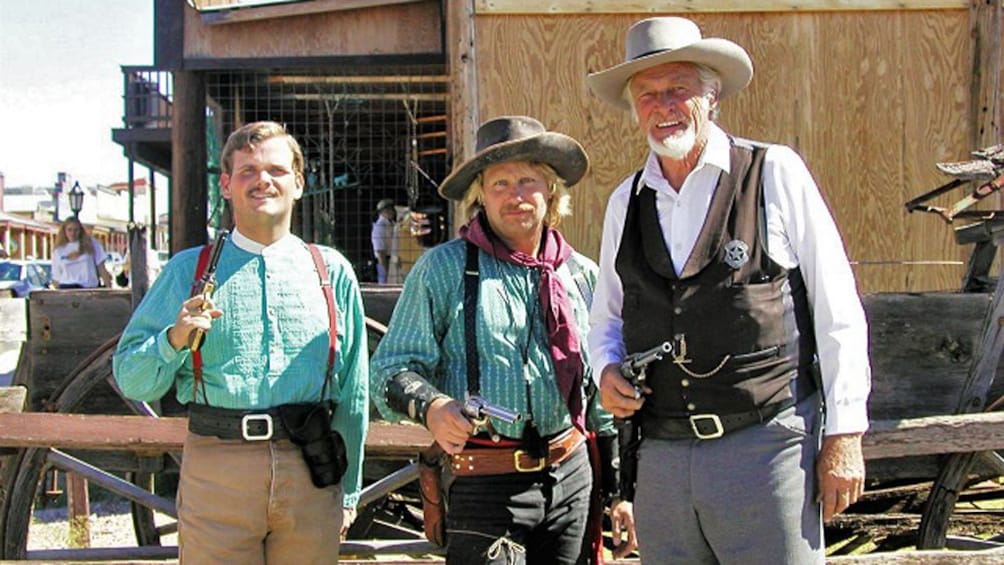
(382, 30)
(871, 100)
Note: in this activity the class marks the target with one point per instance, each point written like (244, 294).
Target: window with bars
(368, 133)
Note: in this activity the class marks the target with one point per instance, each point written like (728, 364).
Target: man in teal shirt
(500, 314)
(259, 383)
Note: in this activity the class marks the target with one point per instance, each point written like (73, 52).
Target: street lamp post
(76, 197)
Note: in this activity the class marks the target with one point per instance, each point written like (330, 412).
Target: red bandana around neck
(560, 320)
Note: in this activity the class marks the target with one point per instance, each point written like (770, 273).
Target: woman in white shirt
(78, 260)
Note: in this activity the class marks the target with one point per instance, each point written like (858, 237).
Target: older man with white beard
(724, 248)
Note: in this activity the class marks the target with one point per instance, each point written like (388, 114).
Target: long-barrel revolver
(207, 284)
(635, 365)
(479, 411)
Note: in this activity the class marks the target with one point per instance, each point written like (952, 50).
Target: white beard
(674, 146)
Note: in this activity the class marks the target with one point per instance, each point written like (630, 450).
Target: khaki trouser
(253, 503)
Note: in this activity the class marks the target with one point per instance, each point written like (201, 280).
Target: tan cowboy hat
(656, 41)
(517, 138)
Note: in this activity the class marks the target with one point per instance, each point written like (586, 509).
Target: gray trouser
(748, 497)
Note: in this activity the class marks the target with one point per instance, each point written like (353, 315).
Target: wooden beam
(157, 435)
(985, 557)
(985, 28)
(885, 439)
(328, 79)
(429, 97)
(706, 6)
(188, 164)
(213, 15)
(461, 57)
(934, 435)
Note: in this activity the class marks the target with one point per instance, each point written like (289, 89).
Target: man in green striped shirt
(500, 315)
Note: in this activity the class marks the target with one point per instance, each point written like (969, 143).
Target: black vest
(739, 322)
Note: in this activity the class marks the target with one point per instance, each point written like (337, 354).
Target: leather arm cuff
(409, 393)
(609, 468)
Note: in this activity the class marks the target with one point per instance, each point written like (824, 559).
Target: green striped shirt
(427, 336)
(270, 347)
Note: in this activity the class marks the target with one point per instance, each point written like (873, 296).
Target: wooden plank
(399, 29)
(705, 6)
(365, 79)
(228, 15)
(920, 359)
(887, 438)
(156, 435)
(987, 557)
(934, 435)
(907, 69)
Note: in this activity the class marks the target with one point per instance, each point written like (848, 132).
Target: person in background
(501, 313)
(78, 261)
(724, 249)
(383, 238)
(278, 391)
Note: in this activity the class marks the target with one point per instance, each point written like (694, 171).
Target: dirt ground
(110, 526)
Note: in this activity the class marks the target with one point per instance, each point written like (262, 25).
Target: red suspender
(200, 268)
(329, 297)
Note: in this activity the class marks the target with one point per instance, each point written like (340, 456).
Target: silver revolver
(479, 411)
(633, 366)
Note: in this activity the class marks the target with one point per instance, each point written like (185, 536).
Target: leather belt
(226, 423)
(505, 460)
(710, 426)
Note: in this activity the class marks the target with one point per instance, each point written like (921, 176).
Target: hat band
(653, 52)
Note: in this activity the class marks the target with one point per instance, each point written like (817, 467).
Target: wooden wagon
(65, 414)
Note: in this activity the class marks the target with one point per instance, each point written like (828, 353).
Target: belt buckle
(248, 418)
(714, 419)
(542, 462)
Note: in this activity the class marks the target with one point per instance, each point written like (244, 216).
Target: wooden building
(387, 94)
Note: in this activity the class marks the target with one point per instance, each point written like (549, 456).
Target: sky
(61, 86)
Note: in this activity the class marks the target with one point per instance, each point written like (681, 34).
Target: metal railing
(148, 95)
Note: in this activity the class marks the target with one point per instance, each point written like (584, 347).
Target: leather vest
(739, 323)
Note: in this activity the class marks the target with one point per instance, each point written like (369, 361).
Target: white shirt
(800, 233)
(382, 236)
(83, 270)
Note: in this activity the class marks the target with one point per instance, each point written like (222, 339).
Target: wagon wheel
(955, 477)
(25, 471)
(955, 471)
(21, 475)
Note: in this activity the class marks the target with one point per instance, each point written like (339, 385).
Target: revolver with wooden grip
(207, 284)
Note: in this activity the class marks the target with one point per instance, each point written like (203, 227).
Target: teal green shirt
(270, 347)
(426, 335)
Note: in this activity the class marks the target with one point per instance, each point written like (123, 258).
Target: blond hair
(559, 205)
(85, 242)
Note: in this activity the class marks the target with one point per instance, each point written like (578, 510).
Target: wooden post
(78, 508)
(139, 272)
(985, 28)
(188, 161)
(461, 54)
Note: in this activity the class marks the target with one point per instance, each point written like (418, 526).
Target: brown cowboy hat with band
(517, 138)
(656, 41)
